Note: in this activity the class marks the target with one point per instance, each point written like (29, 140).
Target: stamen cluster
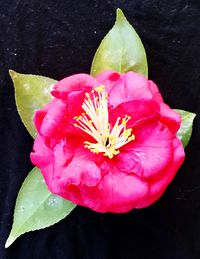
(95, 122)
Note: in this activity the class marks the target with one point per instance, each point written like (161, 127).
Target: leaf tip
(120, 15)
(194, 115)
(12, 74)
(9, 241)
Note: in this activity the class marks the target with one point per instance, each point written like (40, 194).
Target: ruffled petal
(54, 122)
(170, 118)
(129, 162)
(80, 180)
(156, 96)
(152, 148)
(63, 155)
(78, 82)
(40, 114)
(79, 174)
(41, 154)
(57, 121)
(43, 158)
(117, 192)
(130, 86)
(158, 187)
(53, 162)
(139, 110)
(74, 105)
(109, 79)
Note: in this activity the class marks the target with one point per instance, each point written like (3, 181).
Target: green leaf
(120, 50)
(36, 207)
(32, 92)
(185, 131)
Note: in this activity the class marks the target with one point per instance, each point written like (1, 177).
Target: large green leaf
(120, 50)
(185, 130)
(36, 207)
(32, 92)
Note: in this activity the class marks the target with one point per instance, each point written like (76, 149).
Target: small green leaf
(36, 207)
(185, 131)
(32, 92)
(120, 50)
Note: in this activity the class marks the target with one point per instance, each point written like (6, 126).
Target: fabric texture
(58, 39)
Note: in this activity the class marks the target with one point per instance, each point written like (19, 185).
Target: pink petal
(158, 187)
(40, 114)
(128, 162)
(155, 92)
(63, 155)
(78, 82)
(55, 121)
(77, 176)
(117, 192)
(82, 172)
(42, 154)
(139, 110)
(109, 79)
(43, 158)
(52, 162)
(130, 86)
(153, 148)
(170, 118)
(74, 103)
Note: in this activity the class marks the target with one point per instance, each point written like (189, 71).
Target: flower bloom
(108, 143)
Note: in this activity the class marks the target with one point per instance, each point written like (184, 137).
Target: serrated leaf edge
(12, 238)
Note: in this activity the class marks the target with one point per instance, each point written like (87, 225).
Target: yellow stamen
(95, 122)
(100, 89)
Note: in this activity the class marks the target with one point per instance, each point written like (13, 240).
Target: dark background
(59, 38)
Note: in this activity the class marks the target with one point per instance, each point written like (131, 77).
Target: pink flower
(108, 143)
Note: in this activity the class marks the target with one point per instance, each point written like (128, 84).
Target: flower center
(95, 122)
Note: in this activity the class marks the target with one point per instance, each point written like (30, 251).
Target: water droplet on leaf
(22, 209)
(52, 201)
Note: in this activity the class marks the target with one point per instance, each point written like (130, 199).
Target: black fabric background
(59, 38)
